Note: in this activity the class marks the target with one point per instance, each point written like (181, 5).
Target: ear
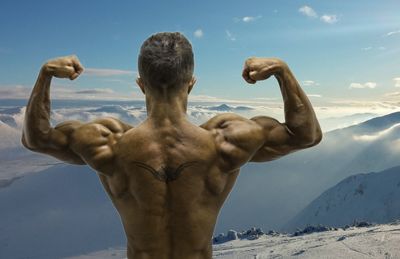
(139, 82)
(191, 84)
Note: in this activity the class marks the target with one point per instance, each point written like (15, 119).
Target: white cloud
(14, 92)
(370, 85)
(356, 85)
(198, 33)
(309, 83)
(208, 98)
(392, 33)
(63, 92)
(392, 94)
(376, 135)
(374, 48)
(314, 95)
(103, 72)
(251, 18)
(266, 98)
(230, 36)
(396, 81)
(329, 18)
(308, 11)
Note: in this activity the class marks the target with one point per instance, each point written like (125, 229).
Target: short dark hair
(166, 59)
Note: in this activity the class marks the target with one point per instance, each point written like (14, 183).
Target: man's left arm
(300, 129)
(37, 133)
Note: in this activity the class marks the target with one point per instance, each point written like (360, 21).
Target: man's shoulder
(98, 130)
(113, 124)
(218, 120)
(236, 138)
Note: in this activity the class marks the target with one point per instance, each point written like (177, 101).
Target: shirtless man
(167, 177)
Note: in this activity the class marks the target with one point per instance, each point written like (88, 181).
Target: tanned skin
(167, 177)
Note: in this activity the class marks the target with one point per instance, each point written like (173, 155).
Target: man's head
(166, 63)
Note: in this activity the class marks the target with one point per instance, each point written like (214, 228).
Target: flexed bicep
(278, 140)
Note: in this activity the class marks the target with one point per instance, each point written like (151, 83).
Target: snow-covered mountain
(15, 160)
(373, 197)
(9, 136)
(378, 242)
(227, 108)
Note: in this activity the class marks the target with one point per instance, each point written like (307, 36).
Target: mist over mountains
(270, 194)
(58, 212)
(34, 188)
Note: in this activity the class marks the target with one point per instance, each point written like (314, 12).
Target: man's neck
(166, 110)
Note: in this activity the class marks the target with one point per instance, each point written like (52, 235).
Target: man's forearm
(299, 113)
(37, 115)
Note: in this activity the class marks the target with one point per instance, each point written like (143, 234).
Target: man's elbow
(316, 138)
(310, 140)
(24, 142)
(31, 145)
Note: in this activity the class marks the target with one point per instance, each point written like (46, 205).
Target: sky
(343, 53)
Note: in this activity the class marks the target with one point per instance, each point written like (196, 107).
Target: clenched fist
(63, 67)
(256, 69)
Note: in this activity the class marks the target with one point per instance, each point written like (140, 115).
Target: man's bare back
(167, 177)
(168, 194)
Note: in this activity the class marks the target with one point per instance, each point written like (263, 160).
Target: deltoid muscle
(166, 173)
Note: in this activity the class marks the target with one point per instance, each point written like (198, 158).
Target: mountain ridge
(372, 197)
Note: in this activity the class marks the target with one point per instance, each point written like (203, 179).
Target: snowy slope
(9, 136)
(356, 243)
(380, 241)
(372, 197)
(15, 160)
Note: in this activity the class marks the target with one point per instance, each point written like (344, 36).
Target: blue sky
(340, 51)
